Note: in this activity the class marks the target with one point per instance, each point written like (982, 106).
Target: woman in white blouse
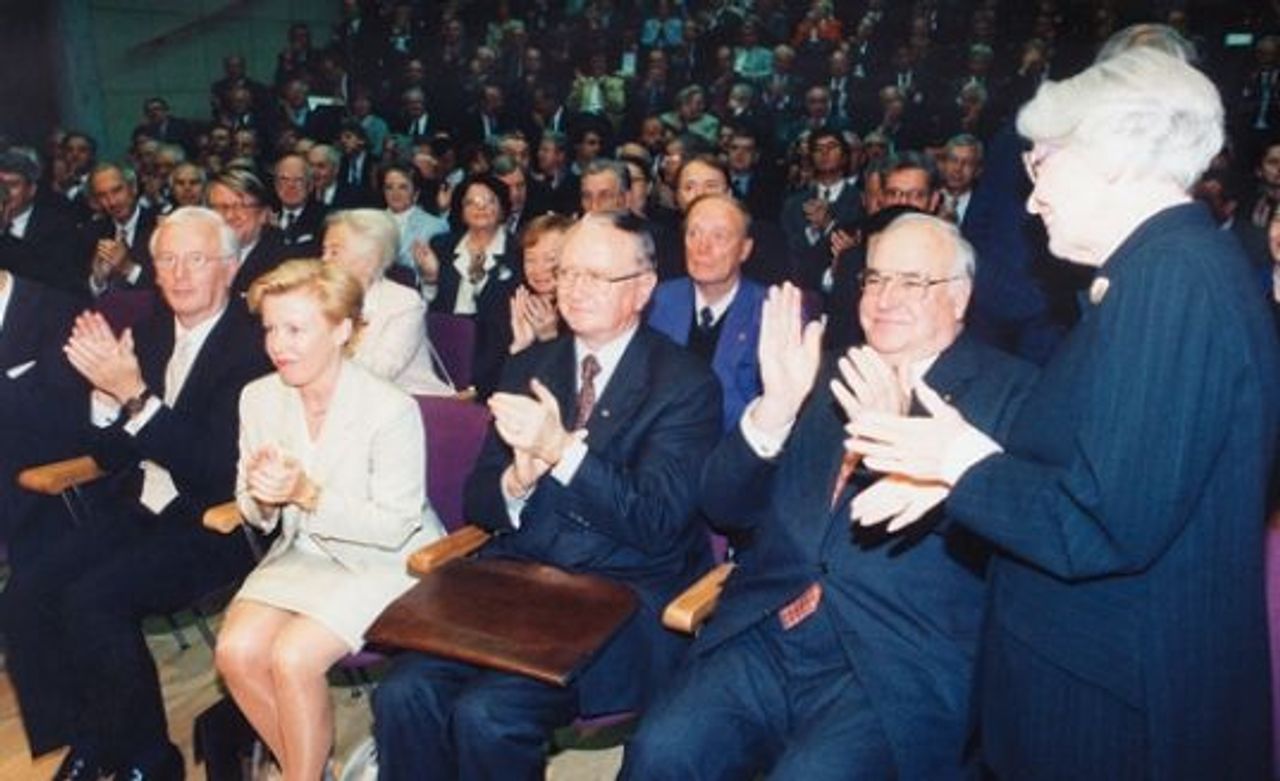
(335, 457)
(474, 271)
(393, 344)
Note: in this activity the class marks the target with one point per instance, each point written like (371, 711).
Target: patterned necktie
(475, 270)
(586, 393)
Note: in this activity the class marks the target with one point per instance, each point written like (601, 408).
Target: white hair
(963, 257)
(374, 228)
(189, 216)
(1141, 112)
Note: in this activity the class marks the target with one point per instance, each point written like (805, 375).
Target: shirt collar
(718, 308)
(18, 226)
(609, 356)
(197, 335)
(6, 293)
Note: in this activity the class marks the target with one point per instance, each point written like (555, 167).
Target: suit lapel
(627, 390)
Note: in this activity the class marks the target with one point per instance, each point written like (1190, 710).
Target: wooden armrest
(454, 545)
(686, 612)
(466, 394)
(223, 518)
(52, 479)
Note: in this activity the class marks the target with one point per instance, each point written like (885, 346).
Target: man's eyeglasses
(192, 260)
(912, 286)
(592, 281)
(234, 208)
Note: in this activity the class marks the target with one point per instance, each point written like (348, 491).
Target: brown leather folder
(515, 616)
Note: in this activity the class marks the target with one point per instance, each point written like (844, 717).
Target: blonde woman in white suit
(393, 343)
(335, 457)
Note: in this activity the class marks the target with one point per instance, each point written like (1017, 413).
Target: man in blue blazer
(165, 400)
(833, 653)
(715, 311)
(590, 473)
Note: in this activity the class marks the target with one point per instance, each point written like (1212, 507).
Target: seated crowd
(692, 251)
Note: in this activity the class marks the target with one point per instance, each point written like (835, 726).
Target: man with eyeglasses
(165, 405)
(809, 216)
(588, 467)
(241, 199)
(834, 651)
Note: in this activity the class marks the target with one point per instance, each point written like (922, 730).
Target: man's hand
(898, 500)
(525, 471)
(790, 352)
(868, 383)
(531, 424)
(912, 447)
(110, 257)
(818, 213)
(108, 363)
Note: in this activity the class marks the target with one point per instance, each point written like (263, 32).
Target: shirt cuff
(570, 460)
(134, 274)
(969, 449)
(97, 288)
(813, 235)
(766, 444)
(144, 416)
(103, 409)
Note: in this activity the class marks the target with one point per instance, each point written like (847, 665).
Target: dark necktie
(586, 393)
(706, 319)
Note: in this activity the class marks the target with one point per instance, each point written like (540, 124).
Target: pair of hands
(109, 363)
(874, 397)
(274, 478)
(532, 427)
(111, 258)
(533, 319)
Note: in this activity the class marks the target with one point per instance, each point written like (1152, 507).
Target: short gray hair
(1140, 111)
(635, 227)
(374, 227)
(963, 259)
(191, 216)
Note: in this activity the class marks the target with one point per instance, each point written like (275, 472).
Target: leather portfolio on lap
(515, 616)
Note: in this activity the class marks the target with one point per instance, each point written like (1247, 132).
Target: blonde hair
(339, 293)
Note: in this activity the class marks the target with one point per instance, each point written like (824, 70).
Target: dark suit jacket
(735, 361)
(847, 207)
(103, 227)
(1129, 512)
(269, 252)
(50, 251)
(628, 512)
(42, 408)
(493, 307)
(196, 438)
(908, 610)
(304, 234)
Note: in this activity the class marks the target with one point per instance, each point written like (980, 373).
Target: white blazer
(393, 343)
(369, 461)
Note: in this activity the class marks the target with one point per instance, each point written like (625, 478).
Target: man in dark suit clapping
(589, 474)
(835, 652)
(165, 402)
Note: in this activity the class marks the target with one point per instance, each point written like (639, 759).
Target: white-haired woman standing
(393, 344)
(1126, 636)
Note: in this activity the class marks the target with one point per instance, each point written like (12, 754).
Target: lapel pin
(1098, 290)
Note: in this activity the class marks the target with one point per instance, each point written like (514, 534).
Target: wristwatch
(133, 406)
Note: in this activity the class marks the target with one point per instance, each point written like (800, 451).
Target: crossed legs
(275, 662)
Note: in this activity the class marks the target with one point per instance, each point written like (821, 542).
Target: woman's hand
(426, 261)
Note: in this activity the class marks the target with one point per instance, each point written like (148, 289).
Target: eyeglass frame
(169, 260)
(566, 278)
(912, 284)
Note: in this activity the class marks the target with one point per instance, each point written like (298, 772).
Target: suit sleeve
(253, 415)
(1155, 411)
(398, 341)
(735, 484)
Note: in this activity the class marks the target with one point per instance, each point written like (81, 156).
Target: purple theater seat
(126, 308)
(454, 339)
(455, 431)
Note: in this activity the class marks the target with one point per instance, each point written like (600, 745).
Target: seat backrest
(126, 308)
(455, 431)
(454, 339)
